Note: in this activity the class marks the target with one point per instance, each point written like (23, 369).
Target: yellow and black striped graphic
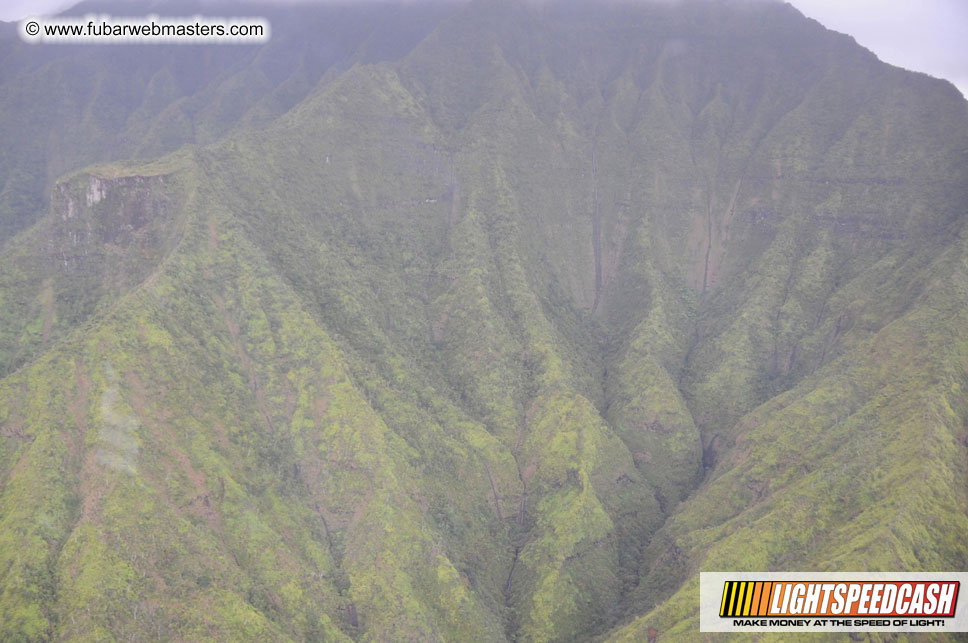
(746, 598)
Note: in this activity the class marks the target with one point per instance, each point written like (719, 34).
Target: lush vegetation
(66, 106)
(501, 335)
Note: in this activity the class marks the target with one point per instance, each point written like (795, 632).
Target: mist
(922, 35)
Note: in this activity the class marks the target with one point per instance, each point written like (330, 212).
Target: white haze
(924, 35)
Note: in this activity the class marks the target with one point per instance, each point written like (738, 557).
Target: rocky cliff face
(102, 238)
(126, 214)
(502, 340)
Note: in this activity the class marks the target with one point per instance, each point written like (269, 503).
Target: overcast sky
(925, 35)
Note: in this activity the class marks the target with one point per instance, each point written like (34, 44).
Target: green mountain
(65, 106)
(502, 331)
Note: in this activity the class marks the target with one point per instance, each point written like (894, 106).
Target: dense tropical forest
(484, 321)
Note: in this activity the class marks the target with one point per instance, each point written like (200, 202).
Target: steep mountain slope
(503, 340)
(69, 105)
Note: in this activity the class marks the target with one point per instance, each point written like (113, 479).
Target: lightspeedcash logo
(832, 602)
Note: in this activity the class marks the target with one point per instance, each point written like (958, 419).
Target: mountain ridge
(501, 340)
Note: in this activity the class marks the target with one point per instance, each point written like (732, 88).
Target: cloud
(923, 35)
(13, 10)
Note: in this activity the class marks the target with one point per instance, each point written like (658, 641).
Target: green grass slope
(859, 467)
(504, 340)
(66, 106)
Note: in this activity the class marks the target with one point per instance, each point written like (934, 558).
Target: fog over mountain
(921, 35)
(928, 36)
(485, 321)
